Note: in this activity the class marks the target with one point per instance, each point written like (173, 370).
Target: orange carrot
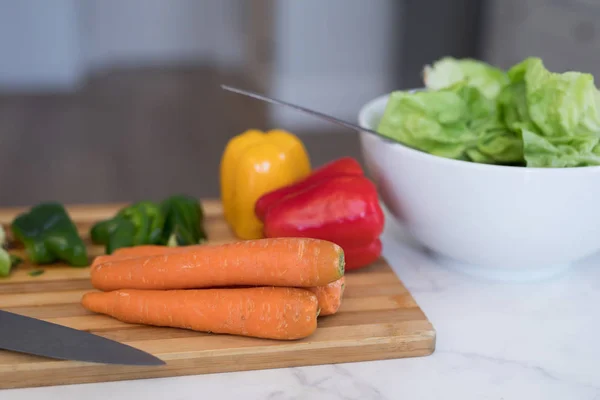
(292, 262)
(329, 296)
(147, 250)
(100, 260)
(264, 312)
(134, 251)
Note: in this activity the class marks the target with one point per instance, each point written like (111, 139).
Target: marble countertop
(494, 341)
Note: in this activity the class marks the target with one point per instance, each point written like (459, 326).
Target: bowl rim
(368, 107)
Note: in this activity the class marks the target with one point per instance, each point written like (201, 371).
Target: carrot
(100, 260)
(329, 296)
(134, 251)
(292, 262)
(263, 312)
(147, 250)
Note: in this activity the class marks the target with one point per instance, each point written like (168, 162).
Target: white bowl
(498, 222)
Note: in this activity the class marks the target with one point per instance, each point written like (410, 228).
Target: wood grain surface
(379, 319)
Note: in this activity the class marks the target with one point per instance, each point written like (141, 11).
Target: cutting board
(379, 319)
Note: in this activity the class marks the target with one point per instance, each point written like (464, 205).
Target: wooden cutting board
(379, 319)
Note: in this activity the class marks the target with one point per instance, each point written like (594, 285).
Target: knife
(33, 336)
(305, 110)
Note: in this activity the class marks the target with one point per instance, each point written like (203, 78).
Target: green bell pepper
(49, 235)
(176, 221)
(183, 221)
(137, 224)
(7, 260)
(5, 263)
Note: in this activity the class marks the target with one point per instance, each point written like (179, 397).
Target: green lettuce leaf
(512, 100)
(457, 122)
(557, 115)
(449, 71)
(569, 151)
(475, 112)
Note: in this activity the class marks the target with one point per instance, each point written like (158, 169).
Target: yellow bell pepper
(255, 163)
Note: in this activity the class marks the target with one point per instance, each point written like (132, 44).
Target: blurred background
(119, 100)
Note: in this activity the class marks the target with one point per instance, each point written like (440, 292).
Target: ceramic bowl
(498, 222)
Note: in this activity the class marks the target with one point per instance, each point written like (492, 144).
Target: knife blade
(305, 110)
(33, 336)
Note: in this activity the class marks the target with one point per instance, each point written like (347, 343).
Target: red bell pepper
(340, 207)
(361, 256)
(339, 167)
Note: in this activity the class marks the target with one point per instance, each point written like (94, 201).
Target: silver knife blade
(304, 110)
(33, 336)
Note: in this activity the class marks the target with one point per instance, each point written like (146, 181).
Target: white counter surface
(494, 341)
